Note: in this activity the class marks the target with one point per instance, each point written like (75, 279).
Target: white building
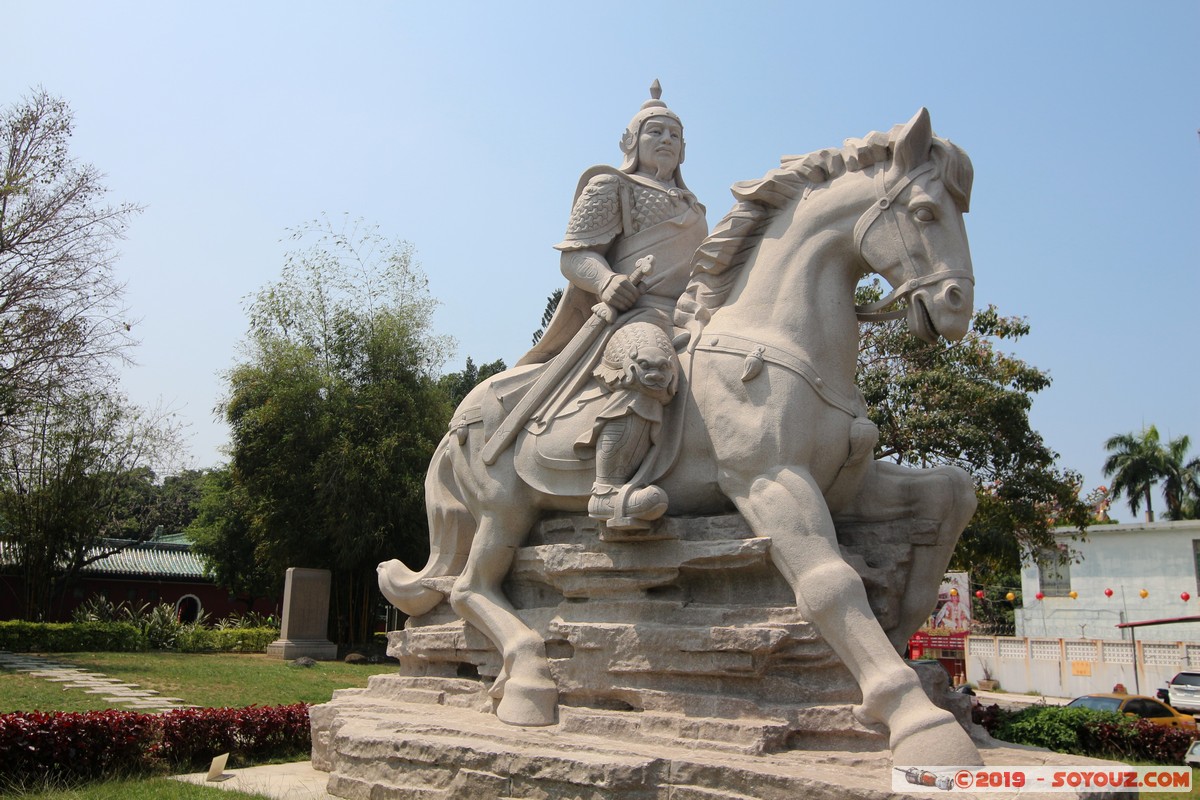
(1160, 558)
(1067, 646)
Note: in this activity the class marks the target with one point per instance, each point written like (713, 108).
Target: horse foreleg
(787, 506)
(527, 692)
(944, 496)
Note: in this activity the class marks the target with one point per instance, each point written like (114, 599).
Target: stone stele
(305, 617)
(664, 563)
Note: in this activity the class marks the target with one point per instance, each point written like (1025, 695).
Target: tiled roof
(151, 560)
(146, 560)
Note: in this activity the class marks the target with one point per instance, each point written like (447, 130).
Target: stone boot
(627, 508)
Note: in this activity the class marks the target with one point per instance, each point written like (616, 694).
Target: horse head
(913, 234)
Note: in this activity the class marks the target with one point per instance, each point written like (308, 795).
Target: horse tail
(451, 531)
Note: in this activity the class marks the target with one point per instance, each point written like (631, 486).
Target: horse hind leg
(528, 694)
(788, 507)
(944, 497)
(451, 532)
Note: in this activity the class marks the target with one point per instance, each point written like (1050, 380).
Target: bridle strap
(885, 198)
(874, 312)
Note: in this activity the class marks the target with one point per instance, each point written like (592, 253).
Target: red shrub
(195, 735)
(83, 745)
(72, 746)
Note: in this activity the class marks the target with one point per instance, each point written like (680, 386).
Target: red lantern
(1039, 595)
(979, 594)
(1108, 592)
(1185, 597)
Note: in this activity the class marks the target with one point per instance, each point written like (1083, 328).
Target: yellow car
(1135, 705)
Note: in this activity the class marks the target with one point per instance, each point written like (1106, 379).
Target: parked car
(1135, 705)
(1184, 692)
(1192, 756)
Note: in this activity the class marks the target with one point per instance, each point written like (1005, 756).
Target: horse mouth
(926, 329)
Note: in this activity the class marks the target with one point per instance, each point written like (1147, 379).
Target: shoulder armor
(596, 215)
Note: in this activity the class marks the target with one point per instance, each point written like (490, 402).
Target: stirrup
(628, 508)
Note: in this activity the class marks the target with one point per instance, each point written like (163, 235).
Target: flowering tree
(967, 403)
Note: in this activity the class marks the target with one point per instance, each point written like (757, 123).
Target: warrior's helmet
(654, 107)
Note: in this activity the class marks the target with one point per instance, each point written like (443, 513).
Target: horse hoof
(936, 740)
(497, 690)
(529, 703)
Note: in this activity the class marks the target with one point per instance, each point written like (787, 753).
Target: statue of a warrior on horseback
(688, 373)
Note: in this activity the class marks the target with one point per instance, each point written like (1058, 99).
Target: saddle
(548, 454)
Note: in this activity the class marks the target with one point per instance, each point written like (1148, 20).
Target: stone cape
(684, 670)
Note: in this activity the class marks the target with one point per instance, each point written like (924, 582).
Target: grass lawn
(211, 680)
(1179, 795)
(139, 789)
(21, 692)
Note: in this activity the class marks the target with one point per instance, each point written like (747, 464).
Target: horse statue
(770, 423)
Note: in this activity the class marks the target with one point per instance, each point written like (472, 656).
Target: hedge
(227, 640)
(64, 747)
(1084, 731)
(71, 637)
(124, 637)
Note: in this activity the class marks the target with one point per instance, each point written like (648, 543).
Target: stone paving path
(115, 691)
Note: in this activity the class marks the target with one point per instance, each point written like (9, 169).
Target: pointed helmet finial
(656, 89)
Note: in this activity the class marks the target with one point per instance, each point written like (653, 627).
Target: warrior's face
(660, 147)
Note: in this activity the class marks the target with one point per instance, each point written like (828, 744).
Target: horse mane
(723, 253)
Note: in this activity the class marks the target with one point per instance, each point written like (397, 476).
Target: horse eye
(924, 214)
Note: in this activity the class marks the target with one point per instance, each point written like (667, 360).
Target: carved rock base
(379, 749)
(684, 672)
(692, 622)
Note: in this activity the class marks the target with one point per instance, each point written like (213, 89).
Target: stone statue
(639, 214)
(766, 422)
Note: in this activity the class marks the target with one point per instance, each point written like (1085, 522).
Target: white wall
(1157, 557)
(1071, 667)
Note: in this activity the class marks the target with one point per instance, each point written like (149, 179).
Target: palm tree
(1137, 462)
(1181, 481)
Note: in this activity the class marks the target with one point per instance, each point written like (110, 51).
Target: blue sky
(463, 128)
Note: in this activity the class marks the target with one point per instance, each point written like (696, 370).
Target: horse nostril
(953, 297)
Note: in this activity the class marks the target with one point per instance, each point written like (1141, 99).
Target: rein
(885, 198)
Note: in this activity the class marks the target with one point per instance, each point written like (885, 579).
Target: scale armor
(597, 219)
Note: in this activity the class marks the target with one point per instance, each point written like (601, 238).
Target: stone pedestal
(305, 617)
(402, 744)
(684, 670)
(681, 662)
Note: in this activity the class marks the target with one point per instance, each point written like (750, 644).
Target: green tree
(335, 412)
(221, 536)
(1181, 479)
(1135, 463)
(458, 384)
(1138, 461)
(61, 307)
(177, 499)
(76, 485)
(967, 403)
(548, 313)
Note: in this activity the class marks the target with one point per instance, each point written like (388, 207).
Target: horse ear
(911, 148)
